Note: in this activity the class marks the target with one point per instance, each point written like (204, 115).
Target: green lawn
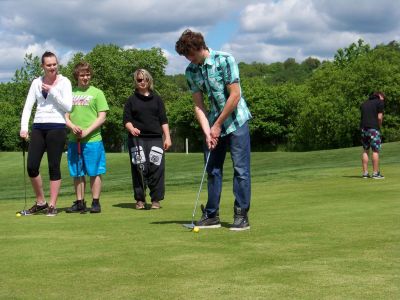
(318, 231)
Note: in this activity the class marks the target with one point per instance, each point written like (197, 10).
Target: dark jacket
(147, 113)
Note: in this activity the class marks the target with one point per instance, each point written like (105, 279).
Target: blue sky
(263, 31)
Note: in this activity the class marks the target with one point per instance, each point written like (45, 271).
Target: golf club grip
(79, 147)
(23, 147)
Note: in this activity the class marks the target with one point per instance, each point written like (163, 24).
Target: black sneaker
(34, 209)
(365, 176)
(240, 220)
(51, 211)
(208, 222)
(378, 176)
(77, 207)
(96, 207)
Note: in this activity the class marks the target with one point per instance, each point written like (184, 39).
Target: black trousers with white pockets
(147, 157)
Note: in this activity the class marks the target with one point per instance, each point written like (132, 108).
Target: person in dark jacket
(371, 122)
(146, 121)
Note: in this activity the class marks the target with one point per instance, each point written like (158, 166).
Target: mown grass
(318, 231)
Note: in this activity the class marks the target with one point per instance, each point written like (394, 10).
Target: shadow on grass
(223, 224)
(352, 176)
(62, 209)
(131, 205)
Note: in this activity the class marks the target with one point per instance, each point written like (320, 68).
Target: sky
(253, 31)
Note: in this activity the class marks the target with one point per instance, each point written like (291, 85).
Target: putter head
(189, 226)
(22, 212)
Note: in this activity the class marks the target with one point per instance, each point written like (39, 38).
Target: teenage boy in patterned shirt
(216, 74)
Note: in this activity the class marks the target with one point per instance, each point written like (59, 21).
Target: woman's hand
(24, 134)
(135, 131)
(167, 143)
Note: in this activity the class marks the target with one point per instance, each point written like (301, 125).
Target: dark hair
(48, 54)
(190, 41)
(82, 66)
(378, 95)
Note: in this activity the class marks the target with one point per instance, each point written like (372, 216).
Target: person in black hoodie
(370, 124)
(146, 121)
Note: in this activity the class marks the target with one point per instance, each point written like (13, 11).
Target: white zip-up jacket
(51, 109)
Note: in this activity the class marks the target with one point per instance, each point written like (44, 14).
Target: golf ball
(18, 215)
(196, 229)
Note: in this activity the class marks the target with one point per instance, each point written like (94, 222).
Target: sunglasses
(139, 80)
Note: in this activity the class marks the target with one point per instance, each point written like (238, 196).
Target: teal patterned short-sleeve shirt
(212, 77)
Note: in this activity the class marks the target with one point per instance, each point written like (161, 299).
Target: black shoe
(240, 220)
(96, 207)
(77, 207)
(51, 211)
(378, 176)
(207, 221)
(35, 209)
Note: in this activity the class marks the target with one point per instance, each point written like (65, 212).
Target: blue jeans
(239, 144)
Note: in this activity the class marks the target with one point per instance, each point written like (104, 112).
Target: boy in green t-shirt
(86, 155)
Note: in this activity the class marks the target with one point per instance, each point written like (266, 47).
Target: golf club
(78, 169)
(140, 165)
(191, 226)
(23, 212)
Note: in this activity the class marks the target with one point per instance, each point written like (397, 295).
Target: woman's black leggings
(52, 141)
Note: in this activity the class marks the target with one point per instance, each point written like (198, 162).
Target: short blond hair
(146, 76)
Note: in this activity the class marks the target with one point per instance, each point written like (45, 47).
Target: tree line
(302, 106)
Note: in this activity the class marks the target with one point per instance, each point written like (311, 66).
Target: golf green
(318, 231)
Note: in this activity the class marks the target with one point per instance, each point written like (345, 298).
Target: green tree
(273, 108)
(351, 53)
(29, 71)
(12, 98)
(330, 118)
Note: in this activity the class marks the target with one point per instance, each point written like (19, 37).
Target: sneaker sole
(51, 215)
(378, 177)
(209, 226)
(26, 213)
(239, 229)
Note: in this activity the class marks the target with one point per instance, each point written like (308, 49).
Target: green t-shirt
(86, 104)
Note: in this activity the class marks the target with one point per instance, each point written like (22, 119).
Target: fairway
(318, 231)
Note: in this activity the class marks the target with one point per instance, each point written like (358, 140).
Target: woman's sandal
(139, 205)
(155, 205)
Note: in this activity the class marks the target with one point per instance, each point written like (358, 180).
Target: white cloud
(176, 63)
(269, 30)
(275, 30)
(363, 16)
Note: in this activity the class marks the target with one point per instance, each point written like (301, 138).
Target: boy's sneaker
(35, 209)
(51, 211)
(240, 220)
(77, 207)
(208, 222)
(378, 176)
(365, 176)
(96, 207)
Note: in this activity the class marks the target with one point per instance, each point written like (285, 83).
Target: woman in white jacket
(52, 94)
